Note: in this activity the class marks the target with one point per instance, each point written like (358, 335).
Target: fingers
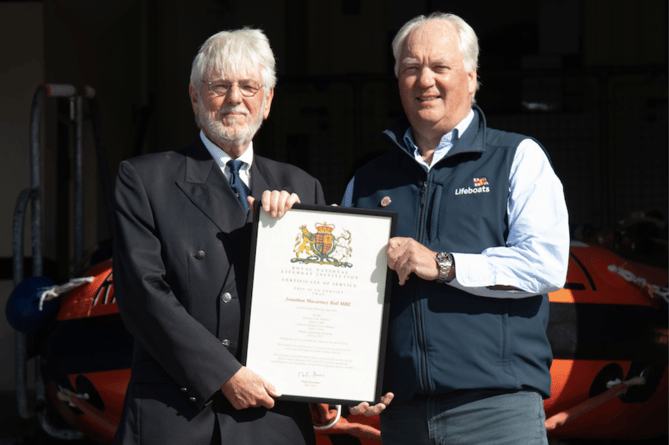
(375, 410)
(266, 200)
(292, 199)
(252, 202)
(359, 409)
(407, 256)
(271, 390)
(276, 203)
(365, 409)
(396, 251)
(267, 391)
(386, 399)
(246, 389)
(267, 402)
(398, 258)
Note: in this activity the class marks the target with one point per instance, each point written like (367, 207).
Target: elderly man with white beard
(181, 246)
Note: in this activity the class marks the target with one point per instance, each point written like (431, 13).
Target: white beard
(213, 125)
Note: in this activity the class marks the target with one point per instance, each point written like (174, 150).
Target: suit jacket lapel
(261, 179)
(206, 186)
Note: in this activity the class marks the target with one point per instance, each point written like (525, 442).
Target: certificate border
(392, 215)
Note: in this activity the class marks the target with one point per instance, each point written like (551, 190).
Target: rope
(653, 290)
(331, 424)
(53, 292)
(358, 426)
(563, 417)
(79, 401)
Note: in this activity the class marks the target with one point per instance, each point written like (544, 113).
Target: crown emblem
(323, 247)
(324, 227)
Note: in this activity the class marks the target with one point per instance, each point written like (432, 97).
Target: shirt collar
(222, 158)
(445, 144)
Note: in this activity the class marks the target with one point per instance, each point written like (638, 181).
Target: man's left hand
(372, 410)
(275, 202)
(407, 256)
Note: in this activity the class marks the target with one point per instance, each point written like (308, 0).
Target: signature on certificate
(309, 374)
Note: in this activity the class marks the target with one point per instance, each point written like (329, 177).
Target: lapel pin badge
(385, 201)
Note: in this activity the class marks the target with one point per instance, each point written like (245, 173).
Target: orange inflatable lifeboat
(608, 325)
(86, 357)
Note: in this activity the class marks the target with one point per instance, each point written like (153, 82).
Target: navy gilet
(442, 339)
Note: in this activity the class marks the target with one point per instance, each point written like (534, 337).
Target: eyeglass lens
(247, 87)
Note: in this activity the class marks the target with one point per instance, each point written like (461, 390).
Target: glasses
(220, 87)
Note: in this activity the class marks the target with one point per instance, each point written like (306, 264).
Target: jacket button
(226, 297)
(192, 399)
(226, 342)
(184, 389)
(200, 254)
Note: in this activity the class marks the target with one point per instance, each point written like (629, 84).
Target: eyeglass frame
(241, 90)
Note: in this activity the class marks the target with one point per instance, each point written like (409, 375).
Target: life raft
(607, 325)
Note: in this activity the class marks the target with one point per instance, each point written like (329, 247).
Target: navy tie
(237, 184)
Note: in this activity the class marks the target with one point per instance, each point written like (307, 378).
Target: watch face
(445, 261)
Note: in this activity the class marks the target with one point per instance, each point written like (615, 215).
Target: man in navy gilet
(482, 238)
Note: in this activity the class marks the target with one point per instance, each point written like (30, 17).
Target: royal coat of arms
(323, 247)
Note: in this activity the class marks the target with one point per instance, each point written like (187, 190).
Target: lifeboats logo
(480, 186)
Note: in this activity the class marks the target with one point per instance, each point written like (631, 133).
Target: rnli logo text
(480, 186)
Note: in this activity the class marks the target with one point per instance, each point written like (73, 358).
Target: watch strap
(444, 263)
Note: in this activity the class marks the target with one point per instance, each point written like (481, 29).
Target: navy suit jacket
(181, 253)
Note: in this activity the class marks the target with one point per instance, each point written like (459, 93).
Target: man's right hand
(275, 202)
(407, 256)
(246, 389)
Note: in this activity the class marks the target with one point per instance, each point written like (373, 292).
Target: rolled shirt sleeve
(536, 254)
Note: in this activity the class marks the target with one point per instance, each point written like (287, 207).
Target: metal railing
(33, 196)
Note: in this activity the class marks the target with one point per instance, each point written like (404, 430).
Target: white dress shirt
(536, 254)
(222, 159)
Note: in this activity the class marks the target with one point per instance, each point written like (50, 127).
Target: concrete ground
(17, 431)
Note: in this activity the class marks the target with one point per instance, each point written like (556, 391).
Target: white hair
(235, 52)
(467, 40)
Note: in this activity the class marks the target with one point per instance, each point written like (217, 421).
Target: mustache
(234, 109)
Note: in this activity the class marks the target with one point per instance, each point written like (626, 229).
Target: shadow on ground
(16, 431)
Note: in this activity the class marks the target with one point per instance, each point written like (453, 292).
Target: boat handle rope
(53, 292)
(563, 417)
(76, 400)
(331, 424)
(652, 290)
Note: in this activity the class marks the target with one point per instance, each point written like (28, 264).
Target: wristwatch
(444, 263)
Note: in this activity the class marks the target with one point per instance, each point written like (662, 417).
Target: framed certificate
(318, 302)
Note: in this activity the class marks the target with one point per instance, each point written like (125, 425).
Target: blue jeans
(467, 417)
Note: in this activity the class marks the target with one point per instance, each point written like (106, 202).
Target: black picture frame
(288, 337)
